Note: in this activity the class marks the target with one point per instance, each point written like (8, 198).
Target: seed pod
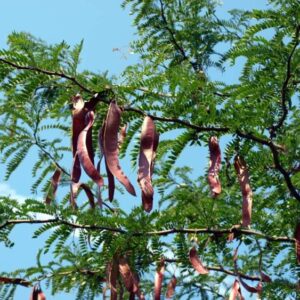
(19, 281)
(235, 291)
(37, 293)
(83, 155)
(243, 176)
(171, 287)
(54, 184)
(110, 176)
(149, 143)
(129, 279)
(113, 272)
(159, 277)
(196, 262)
(214, 166)
(297, 238)
(80, 110)
(110, 146)
(249, 288)
(265, 277)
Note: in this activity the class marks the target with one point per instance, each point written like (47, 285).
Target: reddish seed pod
(113, 272)
(265, 277)
(243, 177)
(148, 146)
(159, 277)
(196, 262)
(236, 291)
(110, 146)
(54, 184)
(249, 288)
(83, 155)
(78, 124)
(37, 293)
(171, 287)
(110, 176)
(214, 166)
(297, 238)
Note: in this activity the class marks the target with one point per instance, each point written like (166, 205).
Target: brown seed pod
(130, 279)
(196, 262)
(113, 272)
(171, 287)
(236, 291)
(54, 184)
(19, 281)
(159, 277)
(214, 166)
(243, 177)
(80, 110)
(83, 155)
(37, 293)
(148, 146)
(265, 277)
(110, 145)
(110, 176)
(249, 288)
(297, 238)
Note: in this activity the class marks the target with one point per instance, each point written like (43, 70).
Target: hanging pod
(214, 166)
(37, 293)
(159, 277)
(243, 177)
(110, 146)
(148, 147)
(196, 262)
(83, 154)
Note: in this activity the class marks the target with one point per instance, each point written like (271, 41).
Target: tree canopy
(239, 226)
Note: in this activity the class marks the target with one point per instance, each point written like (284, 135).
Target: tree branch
(284, 239)
(285, 89)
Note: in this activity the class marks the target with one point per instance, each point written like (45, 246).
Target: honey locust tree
(187, 53)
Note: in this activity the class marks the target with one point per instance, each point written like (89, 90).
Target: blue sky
(104, 26)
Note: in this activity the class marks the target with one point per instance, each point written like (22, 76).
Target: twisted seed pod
(171, 287)
(297, 238)
(236, 291)
(243, 177)
(83, 155)
(148, 146)
(214, 166)
(196, 262)
(110, 176)
(37, 293)
(159, 277)
(54, 184)
(110, 145)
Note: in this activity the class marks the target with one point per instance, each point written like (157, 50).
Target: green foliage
(180, 43)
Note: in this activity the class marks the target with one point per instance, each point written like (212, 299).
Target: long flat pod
(214, 166)
(110, 146)
(80, 110)
(83, 155)
(54, 184)
(37, 293)
(159, 277)
(236, 291)
(171, 287)
(149, 142)
(297, 238)
(110, 176)
(196, 262)
(243, 177)
(130, 279)
(113, 276)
